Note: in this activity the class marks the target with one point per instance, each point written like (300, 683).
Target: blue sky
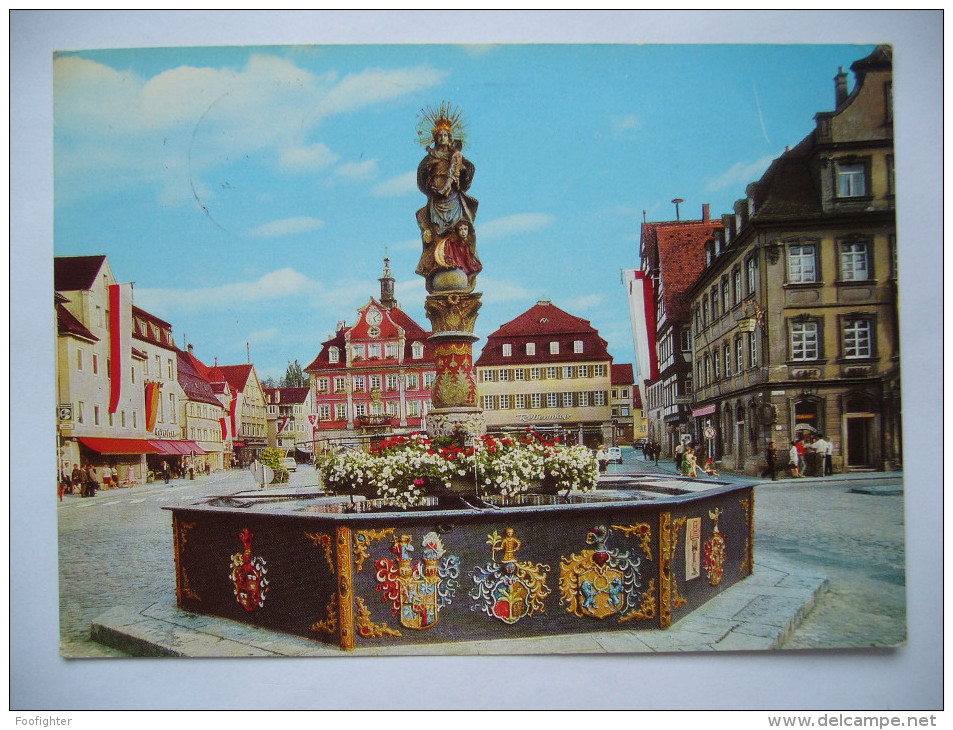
(251, 192)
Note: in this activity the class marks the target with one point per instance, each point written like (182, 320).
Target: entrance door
(860, 451)
(740, 442)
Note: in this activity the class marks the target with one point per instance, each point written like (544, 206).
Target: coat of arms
(509, 590)
(418, 590)
(715, 552)
(249, 575)
(599, 582)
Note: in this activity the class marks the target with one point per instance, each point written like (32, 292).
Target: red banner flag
(120, 339)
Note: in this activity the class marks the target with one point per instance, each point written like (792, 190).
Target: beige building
(289, 427)
(547, 369)
(795, 317)
(248, 410)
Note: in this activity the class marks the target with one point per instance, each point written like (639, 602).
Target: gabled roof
(235, 375)
(637, 397)
(75, 273)
(787, 189)
(681, 248)
(67, 324)
(542, 324)
(622, 374)
(196, 387)
(543, 318)
(413, 332)
(322, 361)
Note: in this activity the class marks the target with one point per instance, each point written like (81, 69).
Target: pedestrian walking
(799, 445)
(76, 480)
(689, 463)
(92, 481)
(679, 453)
(770, 459)
(656, 451)
(603, 459)
(130, 476)
(165, 471)
(822, 451)
(794, 459)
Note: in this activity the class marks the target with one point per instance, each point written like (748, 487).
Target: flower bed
(404, 469)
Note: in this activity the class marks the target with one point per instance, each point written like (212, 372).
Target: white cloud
(307, 159)
(280, 284)
(514, 224)
(357, 171)
(626, 125)
(263, 335)
(286, 227)
(113, 127)
(503, 290)
(396, 186)
(584, 302)
(740, 174)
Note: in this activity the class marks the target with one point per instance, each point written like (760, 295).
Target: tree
(294, 377)
(269, 382)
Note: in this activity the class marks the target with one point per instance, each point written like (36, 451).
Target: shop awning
(120, 446)
(177, 448)
(704, 411)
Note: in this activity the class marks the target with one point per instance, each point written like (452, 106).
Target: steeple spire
(387, 286)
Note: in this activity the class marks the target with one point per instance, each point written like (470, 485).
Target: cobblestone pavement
(116, 549)
(856, 539)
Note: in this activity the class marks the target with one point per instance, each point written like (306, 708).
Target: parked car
(640, 443)
(289, 463)
(615, 454)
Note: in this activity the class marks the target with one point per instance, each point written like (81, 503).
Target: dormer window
(334, 354)
(554, 348)
(417, 351)
(530, 348)
(507, 349)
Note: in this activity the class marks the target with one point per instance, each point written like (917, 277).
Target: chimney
(840, 87)
(706, 212)
(190, 349)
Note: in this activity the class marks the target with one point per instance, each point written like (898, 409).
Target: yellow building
(547, 369)
(795, 321)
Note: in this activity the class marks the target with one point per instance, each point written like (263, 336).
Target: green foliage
(272, 458)
(294, 377)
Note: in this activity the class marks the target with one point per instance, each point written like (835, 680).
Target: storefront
(178, 455)
(127, 456)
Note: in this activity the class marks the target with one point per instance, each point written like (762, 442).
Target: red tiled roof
(75, 273)
(196, 387)
(622, 374)
(413, 332)
(67, 324)
(681, 249)
(235, 375)
(637, 397)
(541, 324)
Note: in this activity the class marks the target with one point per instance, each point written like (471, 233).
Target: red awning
(120, 446)
(165, 447)
(177, 448)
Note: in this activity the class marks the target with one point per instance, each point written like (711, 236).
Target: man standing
(603, 458)
(769, 458)
(679, 451)
(822, 451)
(92, 481)
(165, 471)
(76, 479)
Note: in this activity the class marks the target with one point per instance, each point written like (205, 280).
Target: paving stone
(736, 641)
(773, 610)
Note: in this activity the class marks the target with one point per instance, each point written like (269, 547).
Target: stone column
(454, 392)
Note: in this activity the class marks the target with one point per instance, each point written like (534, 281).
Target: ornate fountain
(449, 264)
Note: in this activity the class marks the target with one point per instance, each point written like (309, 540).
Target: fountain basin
(348, 574)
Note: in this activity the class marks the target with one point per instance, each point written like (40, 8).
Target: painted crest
(600, 582)
(418, 590)
(249, 575)
(715, 552)
(509, 590)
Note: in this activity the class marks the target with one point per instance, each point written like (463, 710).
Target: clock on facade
(373, 317)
